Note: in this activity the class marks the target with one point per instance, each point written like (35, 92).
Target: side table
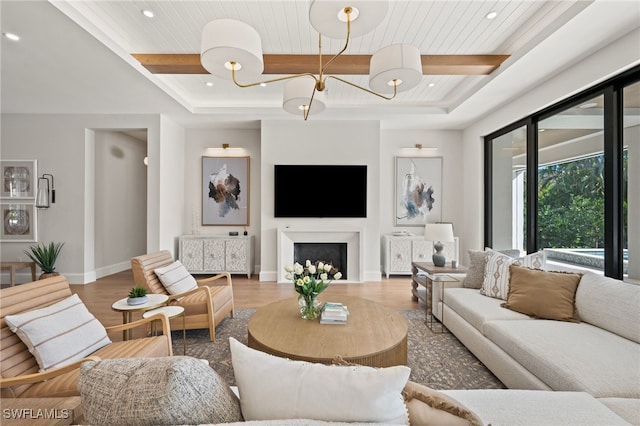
(170, 312)
(153, 301)
(12, 267)
(424, 274)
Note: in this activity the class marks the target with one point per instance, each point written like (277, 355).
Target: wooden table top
(430, 268)
(374, 334)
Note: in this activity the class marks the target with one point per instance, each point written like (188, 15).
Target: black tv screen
(320, 191)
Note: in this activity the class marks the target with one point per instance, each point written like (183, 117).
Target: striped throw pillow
(59, 334)
(175, 278)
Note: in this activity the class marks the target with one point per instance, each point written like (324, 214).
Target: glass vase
(310, 306)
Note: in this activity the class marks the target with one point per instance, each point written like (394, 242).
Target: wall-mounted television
(320, 190)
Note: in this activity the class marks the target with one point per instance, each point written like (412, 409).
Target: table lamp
(438, 233)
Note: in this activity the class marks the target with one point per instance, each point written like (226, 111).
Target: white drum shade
(324, 17)
(225, 40)
(399, 62)
(297, 92)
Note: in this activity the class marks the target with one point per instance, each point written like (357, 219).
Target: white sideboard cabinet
(213, 254)
(399, 251)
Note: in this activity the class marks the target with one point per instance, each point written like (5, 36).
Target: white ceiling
(74, 56)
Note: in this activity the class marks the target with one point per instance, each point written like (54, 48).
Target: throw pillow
(496, 275)
(276, 388)
(155, 391)
(175, 278)
(59, 334)
(475, 273)
(536, 260)
(430, 407)
(542, 294)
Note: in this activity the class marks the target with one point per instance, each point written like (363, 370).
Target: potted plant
(45, 257)
(137, 295)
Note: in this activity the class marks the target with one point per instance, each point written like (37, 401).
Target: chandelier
(232, 49)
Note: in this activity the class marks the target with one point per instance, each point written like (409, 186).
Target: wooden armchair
(204, 307)
(20, 371)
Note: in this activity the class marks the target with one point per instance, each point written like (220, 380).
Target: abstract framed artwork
(418, 190)
(18, 179)
(225, 191)
(19, 222)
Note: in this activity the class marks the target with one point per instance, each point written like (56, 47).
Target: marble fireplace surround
(287, 237)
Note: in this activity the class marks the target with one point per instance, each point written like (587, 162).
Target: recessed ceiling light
(11, 36)
(588, 105)
(148, 13)
(209, 84)
(263, 84)
(431, 84)
(491, 15)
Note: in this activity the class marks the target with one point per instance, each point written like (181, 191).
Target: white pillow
(175, 278)
(59, 334)
(274, 388)
(536, 260)
(496, 275)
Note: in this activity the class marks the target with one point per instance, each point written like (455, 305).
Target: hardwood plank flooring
(394, 292)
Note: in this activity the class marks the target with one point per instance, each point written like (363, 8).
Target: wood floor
(394, 293)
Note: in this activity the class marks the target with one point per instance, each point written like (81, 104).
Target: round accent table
(153, 301)
(374, 334)
(170, 312)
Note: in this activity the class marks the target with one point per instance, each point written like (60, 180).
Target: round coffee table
(374, 335)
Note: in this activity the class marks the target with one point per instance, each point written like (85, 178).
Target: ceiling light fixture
(491, 15)
(12, 36)
(233, 49)
(148, 13)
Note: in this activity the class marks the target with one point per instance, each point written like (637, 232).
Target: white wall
(208, 143)
(603, 64)
(64, 146)
(320, 142)
(120, 199)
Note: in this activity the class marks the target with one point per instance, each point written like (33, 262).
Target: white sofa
(599, 355)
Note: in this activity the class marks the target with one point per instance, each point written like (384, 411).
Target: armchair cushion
(175, 278)
(59, 334)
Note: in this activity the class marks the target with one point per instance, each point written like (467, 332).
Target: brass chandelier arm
(308, 108)
(346, 44)
(395, 88)
(273, 80)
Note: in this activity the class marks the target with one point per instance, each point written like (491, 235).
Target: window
(560, 177)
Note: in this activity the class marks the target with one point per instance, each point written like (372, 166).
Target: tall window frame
(612, 91)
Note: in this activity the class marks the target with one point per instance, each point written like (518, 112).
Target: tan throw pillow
(430, 407)
(172, 390)
(543, 294)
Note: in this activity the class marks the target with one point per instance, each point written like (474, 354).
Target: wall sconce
(42, 198)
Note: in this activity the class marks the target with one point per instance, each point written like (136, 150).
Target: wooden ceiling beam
(343, 65)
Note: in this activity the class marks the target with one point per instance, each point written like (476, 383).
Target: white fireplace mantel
(288, 236)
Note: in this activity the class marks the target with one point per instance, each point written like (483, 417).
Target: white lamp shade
(327, 17)
(395, 62)
(226, 40)
(442, 232)
(297, 93)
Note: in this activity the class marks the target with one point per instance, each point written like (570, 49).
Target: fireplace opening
(333, 253)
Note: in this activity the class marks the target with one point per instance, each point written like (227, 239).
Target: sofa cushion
(541, 294)
(155, 391)
(175, 278)
(536, 260)
(475, 272)
(496, 275)
(533, 407)
(277, 388)
(610, 304)
(571, 356)
(59, 334)
(478, 309)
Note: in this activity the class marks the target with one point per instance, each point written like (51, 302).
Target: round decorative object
(310, 306)
(136, 300)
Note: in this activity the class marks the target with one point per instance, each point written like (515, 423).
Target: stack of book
(334, 313)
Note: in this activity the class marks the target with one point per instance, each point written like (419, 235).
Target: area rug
(437, 360)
